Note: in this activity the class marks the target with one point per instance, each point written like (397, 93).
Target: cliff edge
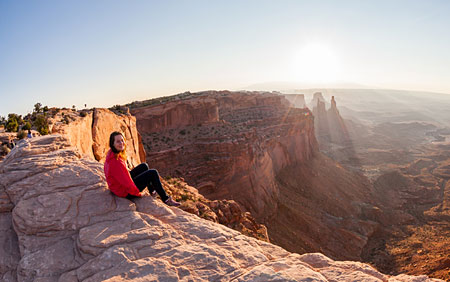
(59, 222)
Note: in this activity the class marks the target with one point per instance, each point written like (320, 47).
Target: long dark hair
(118, 153)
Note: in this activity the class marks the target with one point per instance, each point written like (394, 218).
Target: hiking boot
(171, 202)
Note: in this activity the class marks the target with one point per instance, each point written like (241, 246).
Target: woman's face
(119, 143)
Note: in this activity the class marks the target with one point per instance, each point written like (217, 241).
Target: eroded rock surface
(231, 145)
(226, 212)
(262, 153)
(69, 227)
(90, 132)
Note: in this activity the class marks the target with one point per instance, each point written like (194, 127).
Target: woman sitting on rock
(130, 184)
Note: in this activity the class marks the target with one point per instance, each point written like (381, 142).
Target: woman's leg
(150, 179)
(138, 170)
(135, 172)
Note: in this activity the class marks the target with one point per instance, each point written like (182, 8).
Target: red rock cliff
(90, 133)
(262, 153)
(230, 145)
(171, 115)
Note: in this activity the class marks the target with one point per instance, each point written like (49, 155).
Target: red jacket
(118, 177)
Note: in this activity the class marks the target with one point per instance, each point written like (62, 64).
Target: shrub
(12, 125)
(83, 114)
(13, 122)
(27, 126)
(41, 124)
(185, 197)
(37, 107)
(21, 134)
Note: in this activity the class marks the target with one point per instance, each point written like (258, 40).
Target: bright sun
(315, 63)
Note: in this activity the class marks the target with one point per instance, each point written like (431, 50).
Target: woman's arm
(121, 174)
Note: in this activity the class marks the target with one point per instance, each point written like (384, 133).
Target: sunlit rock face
(90, 133)
(262, 152)
(230, 145)
(60, 223)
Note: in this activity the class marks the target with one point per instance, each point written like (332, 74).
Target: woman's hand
(144, 193)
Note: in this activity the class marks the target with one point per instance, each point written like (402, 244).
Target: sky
(102, 53)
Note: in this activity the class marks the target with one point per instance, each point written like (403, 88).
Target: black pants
(144, 177)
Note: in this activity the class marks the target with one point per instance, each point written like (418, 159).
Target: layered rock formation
(226, 212)
(90, 132)
(415, 237)
(234, 146)
(329, 124)
(174, 114)
(324, 207)
(59, 222)
(262, 153)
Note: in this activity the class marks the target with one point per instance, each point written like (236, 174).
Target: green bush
(21, 134)
(27, 126)
(185, 197)
(12, 125)
(37, 107)
(41, 124)
(13, 122)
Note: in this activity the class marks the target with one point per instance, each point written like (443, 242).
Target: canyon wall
(232, 148)
(262, 152)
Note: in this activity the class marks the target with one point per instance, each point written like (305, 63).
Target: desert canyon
(347, 187)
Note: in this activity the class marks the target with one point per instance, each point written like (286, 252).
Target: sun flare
(315, 63)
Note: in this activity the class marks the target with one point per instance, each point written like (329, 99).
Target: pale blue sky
(64, 53)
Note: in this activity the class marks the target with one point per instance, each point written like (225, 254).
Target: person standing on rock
(130, 184)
